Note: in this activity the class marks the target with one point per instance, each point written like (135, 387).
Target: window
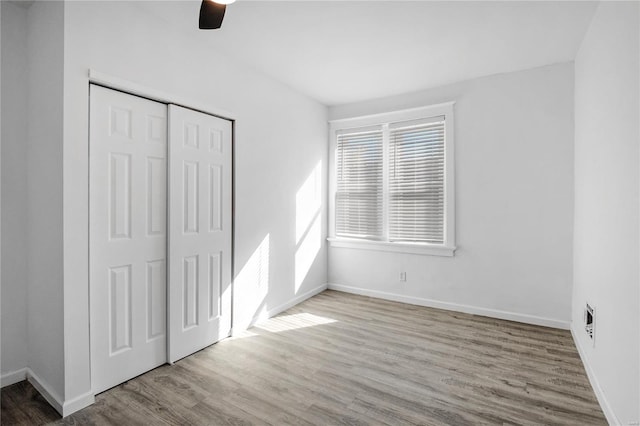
(392, 182)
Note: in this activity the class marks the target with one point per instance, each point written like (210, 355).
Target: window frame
(448, 247)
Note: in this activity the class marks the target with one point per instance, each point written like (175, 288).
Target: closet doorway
(160, 233)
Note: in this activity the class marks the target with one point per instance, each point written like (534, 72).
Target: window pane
(416, 183)
(359, 185)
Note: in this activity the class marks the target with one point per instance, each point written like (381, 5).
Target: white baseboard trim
(45, 390)
(468, 309)
(13, 377)
(63, 408)
(264, 315)
(78, 403)
(595, 384)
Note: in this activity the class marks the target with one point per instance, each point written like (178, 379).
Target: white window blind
(416, 182)
(359, 193)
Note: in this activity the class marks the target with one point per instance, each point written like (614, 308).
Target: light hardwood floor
(344, 359)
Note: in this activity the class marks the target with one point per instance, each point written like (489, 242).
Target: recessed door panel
(191, 134)
(119, 195)
(156, 299)
(215, 140)
(157, 129)
(120, 122)
(190, 292)
(156, 195)
(120, 308)
(216, 198)
(191, 197)
(215, 281)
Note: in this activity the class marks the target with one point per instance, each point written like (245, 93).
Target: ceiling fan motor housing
(211, 15)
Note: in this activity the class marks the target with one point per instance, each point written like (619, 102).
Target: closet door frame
(134, 89)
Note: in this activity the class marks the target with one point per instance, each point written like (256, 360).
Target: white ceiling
(340, 52)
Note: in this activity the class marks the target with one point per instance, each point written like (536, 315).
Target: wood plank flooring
(338, 358)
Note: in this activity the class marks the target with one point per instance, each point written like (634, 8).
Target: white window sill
(424, 249)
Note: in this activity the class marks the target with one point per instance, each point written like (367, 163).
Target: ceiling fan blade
(211, 15)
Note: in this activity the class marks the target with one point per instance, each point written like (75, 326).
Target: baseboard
(475, 310)
(45, 390)
(63, 408)
(602, 399)
(77, 403)
(13, 377)
(264, 315)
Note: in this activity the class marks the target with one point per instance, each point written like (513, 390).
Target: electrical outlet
(403, 276)
(590, 322)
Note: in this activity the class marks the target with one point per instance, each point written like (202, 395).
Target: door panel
(200, 231)
(127, 254)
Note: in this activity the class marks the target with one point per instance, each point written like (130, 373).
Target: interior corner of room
(544, 214)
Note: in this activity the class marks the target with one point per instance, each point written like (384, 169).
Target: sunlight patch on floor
(293, 322)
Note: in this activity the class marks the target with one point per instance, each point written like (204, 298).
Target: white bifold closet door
(199, 231)
(160, 234)
(128, 250)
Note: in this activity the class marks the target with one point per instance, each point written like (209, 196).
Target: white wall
(606, 253)
(14, 192)
(514, 203)
(280, 140)
(45, 54)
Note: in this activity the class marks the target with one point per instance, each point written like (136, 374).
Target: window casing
(391, 182)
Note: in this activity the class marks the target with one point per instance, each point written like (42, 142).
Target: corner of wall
(45, 390)
(64, 407)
